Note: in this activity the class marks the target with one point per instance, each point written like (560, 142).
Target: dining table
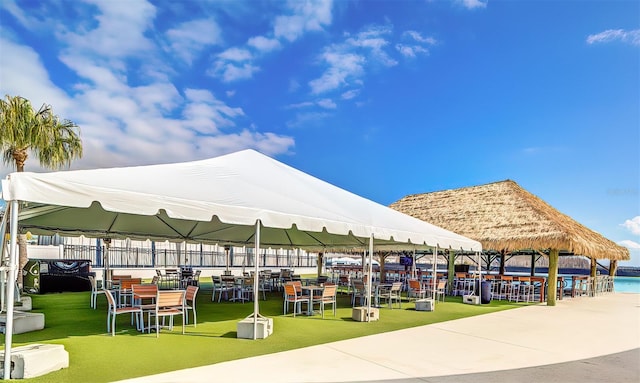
(379, 288)
(311, 289)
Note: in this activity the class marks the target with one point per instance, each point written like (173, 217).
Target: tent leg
(8, 330)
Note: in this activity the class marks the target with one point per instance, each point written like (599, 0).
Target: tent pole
(256, 294)
(479, 275)
(106, 264)
(369, 277)
(11, 283)
(434, 273)
(413, 265)
(3, 247)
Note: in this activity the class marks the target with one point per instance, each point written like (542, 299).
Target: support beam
(552, 281)
(594, 267)
(503, 254)
(613, 267)
(369, 277)
(320, 263)
(533, 264)
(451, 270)
(11, 283)
(434, 273)
(256, 282)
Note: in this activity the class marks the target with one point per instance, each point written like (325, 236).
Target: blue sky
(382, 98)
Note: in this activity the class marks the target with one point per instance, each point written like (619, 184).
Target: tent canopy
(217, 200)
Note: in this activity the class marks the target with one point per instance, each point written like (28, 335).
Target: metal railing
(135, 257)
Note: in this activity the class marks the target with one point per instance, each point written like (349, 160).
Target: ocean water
(626, 284)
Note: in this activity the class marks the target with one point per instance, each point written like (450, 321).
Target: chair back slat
(191, 293)
(329, 291)
(170, 298)
(110, 299)
(289, 289)
(125, 284)
(144, 289)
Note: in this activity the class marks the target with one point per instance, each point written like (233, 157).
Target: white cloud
(632, 37)
(411, 50)
(237, 63)
(473, 4)
(630, 244)
(417, 36)
(264, 44)
(26, 19)
(120, 31)
(23, 74)
(327, 103)
(235, 54)
(302, 120)
(348, 62)
(348, 95)
(306, 16)
(229, 72)
(233, 64)
(633, 225)
(372, 40)
(205, 114)
(190, 38)
(417, 44)
(127, 117)
(300, 105)
(341, 67)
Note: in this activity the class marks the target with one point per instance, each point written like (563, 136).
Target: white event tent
(236, 199)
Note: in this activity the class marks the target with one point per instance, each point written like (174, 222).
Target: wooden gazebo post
(552, 281)
(594, 268)
(451, 268)
(503, 253)
(613, 267)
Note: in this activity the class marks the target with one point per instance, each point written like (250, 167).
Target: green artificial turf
(95, 356)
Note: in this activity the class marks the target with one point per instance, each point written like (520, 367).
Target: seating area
(145, 302)
(312, 296)
(178, 278)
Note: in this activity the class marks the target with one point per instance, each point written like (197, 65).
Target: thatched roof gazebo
(505, 217)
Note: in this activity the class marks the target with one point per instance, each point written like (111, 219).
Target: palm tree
(23, 131)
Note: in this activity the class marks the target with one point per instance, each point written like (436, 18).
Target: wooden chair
(416, 290)
(144, 296)
(344, 280)
(125, 291)
(441, 289)
(114, 311)
(393, 293)
(114, 283)
(292, 295)
(169, 303)
(216, 281)
(328, 297)
(195, 280)
(190, 302)
(359, 291)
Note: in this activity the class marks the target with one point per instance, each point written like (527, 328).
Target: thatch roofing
(502, 215)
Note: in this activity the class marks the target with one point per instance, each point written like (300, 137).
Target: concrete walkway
(533, 336)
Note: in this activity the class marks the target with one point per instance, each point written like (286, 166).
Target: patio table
(379, 288)
(311, 289)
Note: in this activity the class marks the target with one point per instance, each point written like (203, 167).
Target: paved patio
(494, 347)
